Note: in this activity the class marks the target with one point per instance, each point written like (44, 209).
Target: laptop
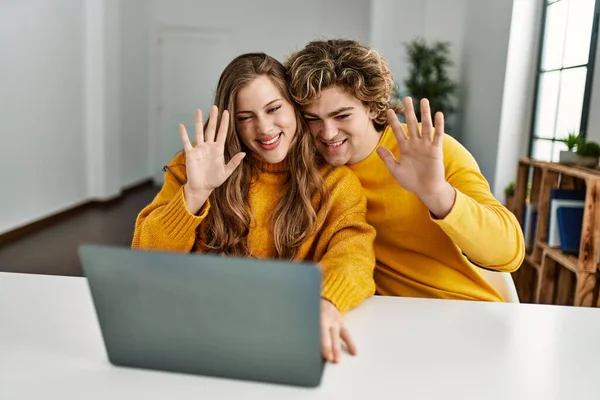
(227, 317)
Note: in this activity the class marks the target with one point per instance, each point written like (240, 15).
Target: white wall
(519, 88)
(76, 108)
(485, 50)
(353, 23)
(103, 108)
(42, 109)
(134, 79)
(271, 26)
(112, 113)
(395, 22)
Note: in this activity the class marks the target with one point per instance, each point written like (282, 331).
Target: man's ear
(372, 113)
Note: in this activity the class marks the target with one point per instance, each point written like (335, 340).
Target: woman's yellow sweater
(343, 246)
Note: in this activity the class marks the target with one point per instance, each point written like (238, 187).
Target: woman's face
(265, 120)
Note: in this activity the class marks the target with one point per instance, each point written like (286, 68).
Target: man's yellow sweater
(420, 256)
(343, 246)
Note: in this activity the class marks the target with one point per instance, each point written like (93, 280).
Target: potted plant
(428, 76)
(569, 156)
(589, 154)
(509, 195)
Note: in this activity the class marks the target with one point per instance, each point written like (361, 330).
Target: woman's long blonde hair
(226, 228)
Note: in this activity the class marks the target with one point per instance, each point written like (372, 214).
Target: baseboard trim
(45, 222)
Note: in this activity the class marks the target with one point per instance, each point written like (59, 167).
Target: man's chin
(335, 161)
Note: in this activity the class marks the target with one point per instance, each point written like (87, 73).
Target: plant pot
(590, 162)
(510, 203)
(568, 157)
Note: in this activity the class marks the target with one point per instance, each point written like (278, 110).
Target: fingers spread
(411, 119)
(347, 338)
(198, 127)
(326, 345)
(187, 146)
(336, 343)
(209, 135)
(234, 163)
(439, 129)
(387, 157)
(396, 126)
(426, 123)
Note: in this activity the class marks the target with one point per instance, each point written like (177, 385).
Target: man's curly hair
(356, 68)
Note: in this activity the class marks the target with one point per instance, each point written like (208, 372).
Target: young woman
(252, 186)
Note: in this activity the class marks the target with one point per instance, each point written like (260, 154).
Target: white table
(51, 347)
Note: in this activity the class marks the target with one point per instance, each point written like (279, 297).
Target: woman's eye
(274, 109)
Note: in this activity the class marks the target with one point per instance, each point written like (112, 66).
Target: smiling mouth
(270, 141)
(334, 144)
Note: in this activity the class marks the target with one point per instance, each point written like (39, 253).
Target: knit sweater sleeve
(487, 232)
(348, 260)
(166, 224)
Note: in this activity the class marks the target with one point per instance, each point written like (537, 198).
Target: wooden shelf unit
(549, 276)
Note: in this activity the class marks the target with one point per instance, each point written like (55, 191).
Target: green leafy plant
(588, 149)
(509, 190)
(573, 140)
(428, 75)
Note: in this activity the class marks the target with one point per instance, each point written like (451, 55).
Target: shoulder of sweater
(345, 190)
(389, 139)
(339, 177)
(456, 156)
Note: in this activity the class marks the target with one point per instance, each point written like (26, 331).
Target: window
(564, 78)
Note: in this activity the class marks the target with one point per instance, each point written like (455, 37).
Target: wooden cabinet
(549, 276)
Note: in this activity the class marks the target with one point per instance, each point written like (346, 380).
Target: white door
(190, 63)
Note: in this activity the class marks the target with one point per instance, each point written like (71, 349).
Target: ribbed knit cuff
(340, 291)
(455, 214)
(176, 219)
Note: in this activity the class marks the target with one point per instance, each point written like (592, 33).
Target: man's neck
(371, 142)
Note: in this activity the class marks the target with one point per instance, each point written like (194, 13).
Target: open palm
(420, 168)
(205, 160)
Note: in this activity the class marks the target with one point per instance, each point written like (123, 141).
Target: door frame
(157, 35)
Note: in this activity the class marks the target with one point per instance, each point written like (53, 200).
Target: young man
(437, 221)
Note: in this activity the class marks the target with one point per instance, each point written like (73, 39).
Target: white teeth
(336, 144)
(270, 141)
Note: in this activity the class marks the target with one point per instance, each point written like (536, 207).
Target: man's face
(342, 126)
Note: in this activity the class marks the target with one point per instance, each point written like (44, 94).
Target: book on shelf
(529, 225)
(570, 222)
(561, 198)
(553, 229)
(567, 194)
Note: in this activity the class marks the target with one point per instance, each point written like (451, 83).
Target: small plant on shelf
(509, 194)
(572, 141)
(589, 153)
(509, 190)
